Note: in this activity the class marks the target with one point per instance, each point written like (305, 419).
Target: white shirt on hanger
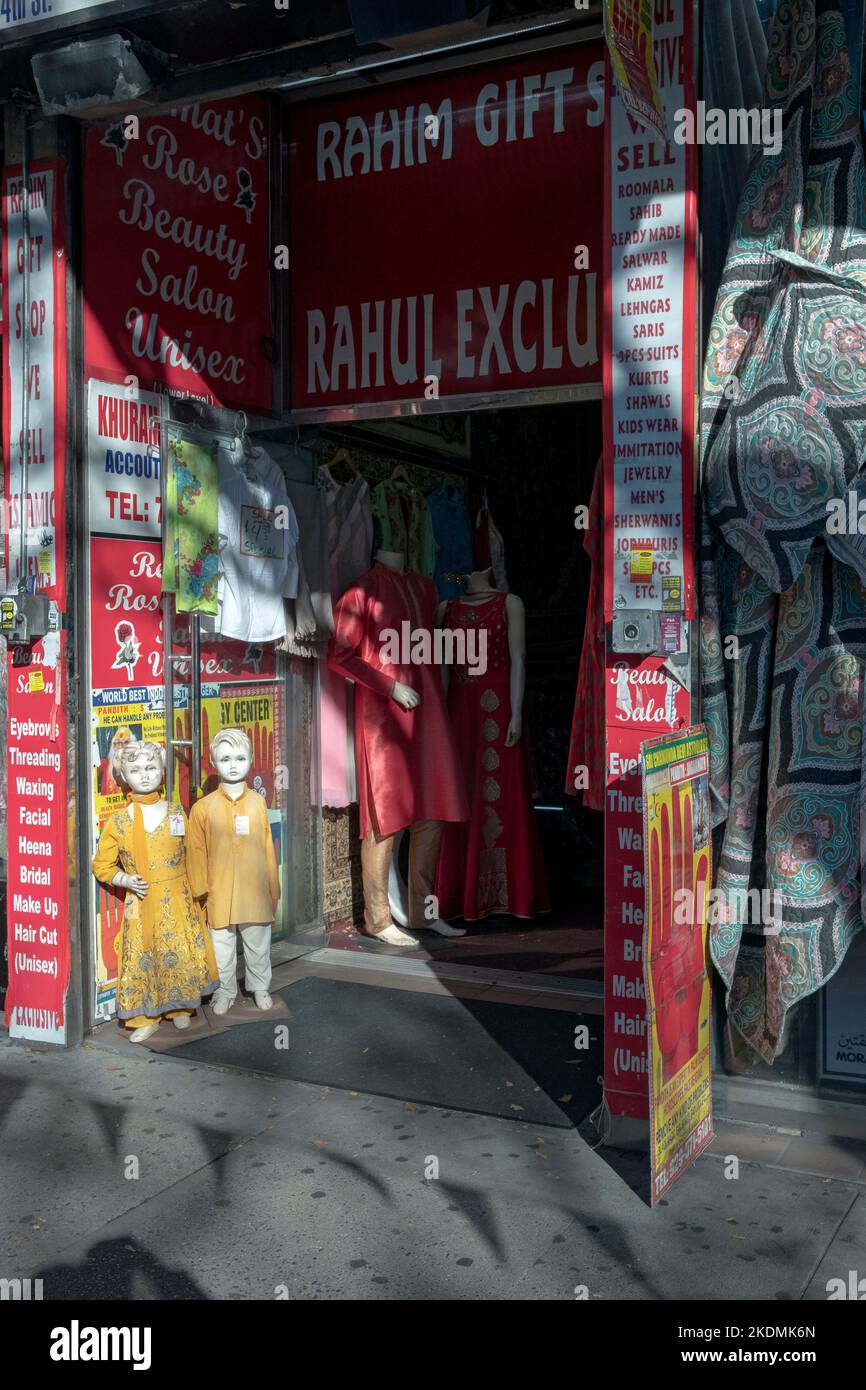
(258, 548)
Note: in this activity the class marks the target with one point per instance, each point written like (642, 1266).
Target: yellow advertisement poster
(141, 717)
(677, 863)
(628, 29)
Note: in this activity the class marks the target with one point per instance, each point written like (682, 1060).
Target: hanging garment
(258, 548)
(586, 748)
(452, 532)
(191, 568)
(407, 762)
(784, 428)
(490, 547)
(350, 529)
(350, 550)
(231, 858)
(176, 967)
(405, 527)
(314, 587)
(734, 49)
(492, 865)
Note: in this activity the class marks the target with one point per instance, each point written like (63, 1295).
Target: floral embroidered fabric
(191, 550)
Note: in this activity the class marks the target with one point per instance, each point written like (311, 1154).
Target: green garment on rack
(191, 551)
(404, 524)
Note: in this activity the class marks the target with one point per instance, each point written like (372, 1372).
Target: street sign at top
(23, 19)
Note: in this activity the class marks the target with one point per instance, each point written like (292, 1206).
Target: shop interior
(530, 467)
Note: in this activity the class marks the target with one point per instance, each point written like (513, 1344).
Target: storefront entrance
(534, 466)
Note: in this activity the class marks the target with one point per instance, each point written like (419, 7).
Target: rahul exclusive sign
(446, 235)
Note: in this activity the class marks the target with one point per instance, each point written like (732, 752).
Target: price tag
(259, 533)
(175, 824)
(35, 682)
(242, 825)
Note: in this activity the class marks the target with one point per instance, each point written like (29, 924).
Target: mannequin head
(482, 579)
(232, 755)
(139, 766)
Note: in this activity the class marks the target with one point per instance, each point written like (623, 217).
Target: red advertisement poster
(177, 255)
(42, 323)
(126, 648)
(643, 699)
(428, 256)
(676, 816)
(37, 829)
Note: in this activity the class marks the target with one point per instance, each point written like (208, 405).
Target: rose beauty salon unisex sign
(446, 235)
(177, 258)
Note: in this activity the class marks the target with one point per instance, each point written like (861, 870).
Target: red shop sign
(126, 625)
(38, 821)
(176, 257)
(435, 229)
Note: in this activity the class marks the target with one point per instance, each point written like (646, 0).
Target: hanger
(400, 473)
(343, 456)
(243, 438)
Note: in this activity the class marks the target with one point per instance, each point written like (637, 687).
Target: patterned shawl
(784, 611)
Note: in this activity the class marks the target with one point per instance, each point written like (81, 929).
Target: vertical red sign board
(648, 385)
(37, 810)
(177, 255)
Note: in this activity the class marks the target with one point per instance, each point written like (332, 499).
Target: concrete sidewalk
(127, 1175)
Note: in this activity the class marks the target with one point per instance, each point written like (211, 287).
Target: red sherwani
(408, 769)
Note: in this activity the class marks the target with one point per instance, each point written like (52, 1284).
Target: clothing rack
(422, 457)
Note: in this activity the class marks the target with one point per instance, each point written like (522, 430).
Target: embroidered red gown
(492, 865)
(407, 762)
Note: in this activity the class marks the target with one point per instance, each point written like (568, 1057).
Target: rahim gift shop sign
(435, 234)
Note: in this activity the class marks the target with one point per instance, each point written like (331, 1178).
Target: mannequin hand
(135, 883)
(515, 729)
(406, 697)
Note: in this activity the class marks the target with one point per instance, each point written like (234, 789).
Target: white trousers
(257, 956)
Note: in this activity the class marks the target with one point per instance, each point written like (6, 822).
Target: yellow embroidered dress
(179, 968)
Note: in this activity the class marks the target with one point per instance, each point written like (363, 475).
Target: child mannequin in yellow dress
(166, 959)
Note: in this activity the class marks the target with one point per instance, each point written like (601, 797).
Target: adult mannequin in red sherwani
(408, 770)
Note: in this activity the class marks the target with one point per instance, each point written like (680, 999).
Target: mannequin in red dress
(494, 865)
(408, 770)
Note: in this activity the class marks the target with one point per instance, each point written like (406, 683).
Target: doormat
(466, 1054)
(204, 1024)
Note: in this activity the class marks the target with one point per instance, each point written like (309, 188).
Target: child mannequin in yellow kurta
(231, 859)
(166, 959)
